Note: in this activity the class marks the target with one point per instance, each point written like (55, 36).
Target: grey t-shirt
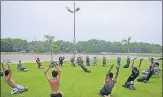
(109, 86)
(20, 65)
(156, 69)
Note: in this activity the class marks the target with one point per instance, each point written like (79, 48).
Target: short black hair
(111, 75)
(54, 73)
(6, 72)
(157, 63)
(135, 68)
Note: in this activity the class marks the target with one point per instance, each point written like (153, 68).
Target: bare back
(54, 85)
(10, 82)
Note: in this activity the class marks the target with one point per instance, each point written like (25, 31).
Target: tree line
(90, 46)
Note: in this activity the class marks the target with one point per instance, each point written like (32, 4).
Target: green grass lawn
(76, 83)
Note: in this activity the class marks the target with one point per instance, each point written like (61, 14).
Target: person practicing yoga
(54, 81)
(87, 61)
(104, 62)
(80, 63)
(109, 82)
(73, 62)
(135, 73)
(21, 68)
(128, 62)
(95, 61)
(118, 62)
(61, 60)
(153, 69)
(39, 63)
(16, 88)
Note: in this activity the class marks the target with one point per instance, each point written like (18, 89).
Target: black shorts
(56, 95)
(103, 92)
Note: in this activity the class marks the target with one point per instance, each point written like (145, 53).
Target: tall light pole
(75, 10)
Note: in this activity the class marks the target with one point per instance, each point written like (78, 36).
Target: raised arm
(9, 69)
(107, 74)
(59, 71)
(133, 63)
(3, 68)
(158, 73)
(116, 76)
(140, 63)
(149, 59)
(46, 74)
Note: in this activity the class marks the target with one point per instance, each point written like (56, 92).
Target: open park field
(76, 83)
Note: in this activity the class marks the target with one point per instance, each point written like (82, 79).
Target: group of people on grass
(105, 91)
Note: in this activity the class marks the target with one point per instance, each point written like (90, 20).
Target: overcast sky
(109, 20)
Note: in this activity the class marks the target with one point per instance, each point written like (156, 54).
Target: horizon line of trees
(90, 46)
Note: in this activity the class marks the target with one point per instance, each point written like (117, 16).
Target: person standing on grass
(8, 78)
(39, 63)
(54, 81)
(128, 62)
(61, 60)
(135, 73)
(153, 69)
(95, 61)
(104, 62)
(109, 82)
(87, 61)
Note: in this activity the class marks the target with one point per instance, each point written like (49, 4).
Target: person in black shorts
(109, 82)
(135, 73)
(56, 95)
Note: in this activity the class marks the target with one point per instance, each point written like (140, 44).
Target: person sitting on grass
(109, 82)
(39, 63)
(80, 63)
(135, 73)
(1, 73)
(61, 60)
(16, 88)
(87, 61)
(72, 62)
(54, 81)
(128, 62)
(104, 62)
(20, 67)
(118, 61)
(150, 66)
(95, 61)
(153, 69)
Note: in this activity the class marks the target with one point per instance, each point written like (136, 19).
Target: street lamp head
(77, 9)
(69, 10)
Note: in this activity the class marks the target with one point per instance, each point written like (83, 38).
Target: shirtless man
(109, 82)
(15, 87)
(54, 82)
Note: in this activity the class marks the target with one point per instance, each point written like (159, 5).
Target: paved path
(14, 58)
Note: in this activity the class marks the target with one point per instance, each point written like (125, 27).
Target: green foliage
(90, 46)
